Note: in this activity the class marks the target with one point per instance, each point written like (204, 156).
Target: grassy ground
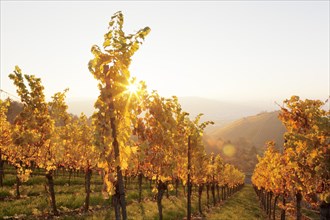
(34, 203)
(243, 205)
(34, 200)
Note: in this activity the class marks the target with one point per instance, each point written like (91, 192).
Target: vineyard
(133, 134)
(301, 171)
(70, 198)
(140, 155)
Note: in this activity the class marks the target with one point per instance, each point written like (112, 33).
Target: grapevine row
(302, 170)
(133, 133)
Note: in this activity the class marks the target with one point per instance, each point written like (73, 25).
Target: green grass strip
(242, 205)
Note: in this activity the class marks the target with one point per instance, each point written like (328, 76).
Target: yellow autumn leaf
(154, 190)
(123, 164)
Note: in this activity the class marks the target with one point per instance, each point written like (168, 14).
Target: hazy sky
(239, 51)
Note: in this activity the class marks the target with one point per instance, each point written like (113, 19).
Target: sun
(132, 88)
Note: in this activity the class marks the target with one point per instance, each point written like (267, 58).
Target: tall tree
(33, 130)
(112, 118)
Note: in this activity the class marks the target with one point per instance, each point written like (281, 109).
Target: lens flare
(229, 150)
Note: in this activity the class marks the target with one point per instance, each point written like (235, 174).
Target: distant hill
(221, 112)
(245, 138)
(255, 129)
